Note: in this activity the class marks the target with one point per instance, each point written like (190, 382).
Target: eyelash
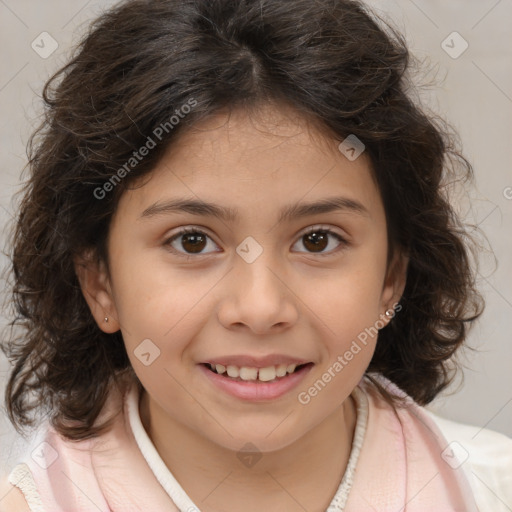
(321, 229)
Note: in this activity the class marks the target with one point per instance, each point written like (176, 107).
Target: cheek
(347, 298)
(164, 305)
(346, 307)
(348, 326)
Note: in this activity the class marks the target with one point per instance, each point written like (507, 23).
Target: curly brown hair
(334, 62)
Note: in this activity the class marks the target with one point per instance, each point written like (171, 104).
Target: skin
(290, 300)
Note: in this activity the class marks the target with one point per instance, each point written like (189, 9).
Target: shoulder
(485, 456)
(32, 485)
(13, 501)
(12, 498)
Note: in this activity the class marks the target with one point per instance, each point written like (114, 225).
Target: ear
(394, 284)
(94, 281)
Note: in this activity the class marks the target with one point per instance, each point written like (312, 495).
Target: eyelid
(322, 227)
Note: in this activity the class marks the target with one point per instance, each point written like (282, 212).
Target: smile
(246, 373)
(255, 384)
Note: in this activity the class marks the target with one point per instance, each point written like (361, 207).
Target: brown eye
(317, 240)
(193, 242)
(189, 241)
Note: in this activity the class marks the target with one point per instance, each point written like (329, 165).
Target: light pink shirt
(400, 461)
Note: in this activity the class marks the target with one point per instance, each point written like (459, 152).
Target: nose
(258, 297)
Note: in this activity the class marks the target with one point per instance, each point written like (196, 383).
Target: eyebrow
(289, 212)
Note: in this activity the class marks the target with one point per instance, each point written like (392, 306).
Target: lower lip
(256, 390)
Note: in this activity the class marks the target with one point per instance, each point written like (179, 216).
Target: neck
(302, 476)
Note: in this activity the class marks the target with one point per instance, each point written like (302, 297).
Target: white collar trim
(180, 497)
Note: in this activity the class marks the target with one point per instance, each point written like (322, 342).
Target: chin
(260, 438)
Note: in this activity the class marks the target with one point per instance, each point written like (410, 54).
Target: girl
(238, 275)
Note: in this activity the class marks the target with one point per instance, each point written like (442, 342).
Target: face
(271, 283)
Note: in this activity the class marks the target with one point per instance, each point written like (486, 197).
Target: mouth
(267, 374)
(255, 384)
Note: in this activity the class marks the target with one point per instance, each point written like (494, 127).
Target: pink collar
(400, 466)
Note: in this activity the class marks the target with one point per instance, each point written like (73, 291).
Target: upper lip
(256, 361)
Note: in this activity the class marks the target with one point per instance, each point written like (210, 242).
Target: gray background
(473, 91)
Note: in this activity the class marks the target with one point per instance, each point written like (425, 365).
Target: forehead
(266, 157)
(257, 140)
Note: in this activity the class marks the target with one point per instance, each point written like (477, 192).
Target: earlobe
(394, 285)
(94, 281)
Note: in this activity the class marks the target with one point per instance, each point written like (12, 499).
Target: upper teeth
(249, 373)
